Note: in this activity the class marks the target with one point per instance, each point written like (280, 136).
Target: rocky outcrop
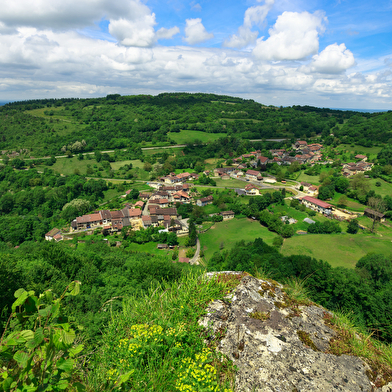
(278, 345)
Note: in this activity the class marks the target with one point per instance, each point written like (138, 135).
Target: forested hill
(51, 126)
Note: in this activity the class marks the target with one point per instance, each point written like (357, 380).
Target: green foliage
(37, 348)
(353, 226)
(158, 338)
(327, 227)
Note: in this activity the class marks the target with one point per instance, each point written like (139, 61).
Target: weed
(260, 315)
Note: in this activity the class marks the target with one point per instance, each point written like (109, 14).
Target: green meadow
(187, 136)
(339, 250)
(227, 233)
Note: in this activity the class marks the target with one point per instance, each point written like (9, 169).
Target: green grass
(359, 149)
(383, 190)
(339, 250)
(231, 183)
(229, 232)
(156, 338)
(352, 204)
(149, 247)
(67, 166)
(135, 163)
(187, 136)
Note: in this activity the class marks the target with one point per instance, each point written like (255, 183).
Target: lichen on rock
(286, 351)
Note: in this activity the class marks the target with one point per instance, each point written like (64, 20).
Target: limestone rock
(278, 348)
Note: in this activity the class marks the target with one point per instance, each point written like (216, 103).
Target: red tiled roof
(135, 212)
(318, 202)
(253, 172)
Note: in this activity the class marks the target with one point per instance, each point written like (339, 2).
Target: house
(262, 161)
(183, 260)
(317, 205)
(171, 212)
(252, 190)
(236, 174)
(219, 170)
(252, 175)
(361, 157)
(375, 215)
(134, 213)
(49, 236)
(227, 215)
(139, 204)
(204, 201)
(183, 176)
(300, 144)
(162, 246)
(146, 219)
(313, 190)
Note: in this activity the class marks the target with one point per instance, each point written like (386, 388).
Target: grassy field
(230, 232)
(135, 163)
(186, 136)
(352, 204)
(384, 189)
(339, 250)
(67, 166)
(359, 149)
(232, 183)
(149, 247)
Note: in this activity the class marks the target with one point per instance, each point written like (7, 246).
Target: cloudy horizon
(281, 53)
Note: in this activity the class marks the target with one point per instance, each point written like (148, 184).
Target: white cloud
(38, 63)
(195, 7)
(293, 37)
(138, 32)
(195, 32)
(164, 33)
(333, 59)
(60, 14)
(253, 16)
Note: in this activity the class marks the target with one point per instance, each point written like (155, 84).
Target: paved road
(197, 253)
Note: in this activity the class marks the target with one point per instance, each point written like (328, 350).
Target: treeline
(31, 203)
(366, 290)
(108, 274)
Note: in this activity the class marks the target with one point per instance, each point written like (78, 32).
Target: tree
(342, 184)
(342, 202)
(360, 183)
(353, 226)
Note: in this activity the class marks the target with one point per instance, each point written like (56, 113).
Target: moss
(306, 340)
(260, 315)
(281, 305)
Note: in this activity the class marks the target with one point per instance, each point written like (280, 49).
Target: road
(197, 253)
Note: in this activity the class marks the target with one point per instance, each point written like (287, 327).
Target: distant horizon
(4, 102)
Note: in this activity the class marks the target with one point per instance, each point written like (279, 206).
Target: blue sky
(277, 52)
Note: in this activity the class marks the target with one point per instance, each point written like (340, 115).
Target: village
(157, 208)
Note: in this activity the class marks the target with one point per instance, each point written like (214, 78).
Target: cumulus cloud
(333, 59)
(130, 21)
(293, 37)
(59, 14)
(164, 33)
(139, 32)
(253, 16)
(195, 32)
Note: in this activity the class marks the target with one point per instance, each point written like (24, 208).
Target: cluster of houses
(153, 210)
(310, 189)
(174, 178)
(352, 168)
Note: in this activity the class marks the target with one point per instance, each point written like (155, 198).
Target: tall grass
(158, 342)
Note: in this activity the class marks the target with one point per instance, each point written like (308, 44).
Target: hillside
(49, 127)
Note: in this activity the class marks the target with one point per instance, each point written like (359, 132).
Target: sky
(335, 54)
